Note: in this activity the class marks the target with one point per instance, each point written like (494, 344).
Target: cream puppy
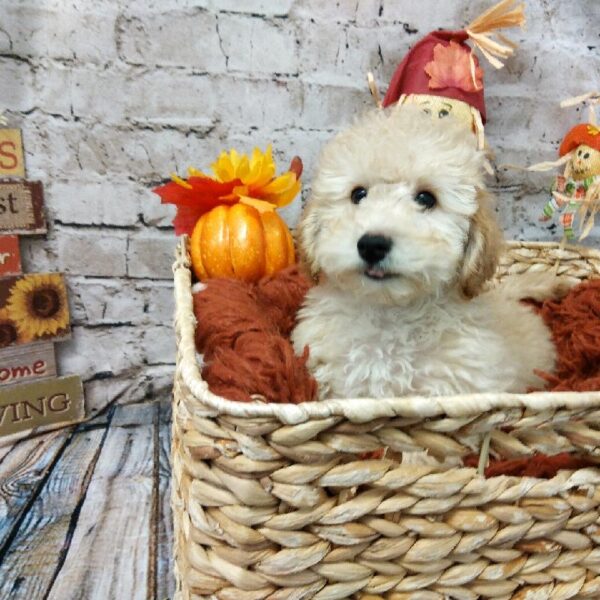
(400, 230)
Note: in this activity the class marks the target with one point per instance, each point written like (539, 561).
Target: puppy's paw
(538, 286)
(561, 287)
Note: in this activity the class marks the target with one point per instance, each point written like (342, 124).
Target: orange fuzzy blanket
(575, 325)
(243, 332)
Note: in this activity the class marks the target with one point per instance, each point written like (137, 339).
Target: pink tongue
(376, 273)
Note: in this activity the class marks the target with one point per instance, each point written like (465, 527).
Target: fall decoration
(454, 66)
(575, 194)
(240, 241)
(235, 231)
(442, 65)
(237, 178)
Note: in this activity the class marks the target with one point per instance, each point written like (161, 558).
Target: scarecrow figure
(442, 74)
(577, 190)
(576, 193)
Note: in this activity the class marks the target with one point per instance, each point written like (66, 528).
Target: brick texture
(114, 96)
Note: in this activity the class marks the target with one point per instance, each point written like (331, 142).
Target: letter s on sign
(8, 159)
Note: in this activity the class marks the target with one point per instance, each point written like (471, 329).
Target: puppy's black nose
(373, 248)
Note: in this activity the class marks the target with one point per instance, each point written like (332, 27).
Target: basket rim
(359, 409)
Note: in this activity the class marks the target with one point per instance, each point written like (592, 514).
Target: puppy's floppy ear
(306, 237)
(482, 250)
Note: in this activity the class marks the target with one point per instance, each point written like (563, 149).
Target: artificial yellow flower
(237, 177)
(260, 188)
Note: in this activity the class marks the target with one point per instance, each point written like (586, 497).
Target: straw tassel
(593, 98)
(588, 210)
(482, 31)
(374, 89)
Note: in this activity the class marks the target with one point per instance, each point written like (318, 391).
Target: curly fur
(431, 326)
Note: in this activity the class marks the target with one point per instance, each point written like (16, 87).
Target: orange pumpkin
(239, 241)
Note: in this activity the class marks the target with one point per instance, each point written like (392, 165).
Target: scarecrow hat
(443, 64)
(584, 133)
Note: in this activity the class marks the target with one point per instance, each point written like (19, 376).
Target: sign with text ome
(22, 207)
(19, 364)
(41, 405)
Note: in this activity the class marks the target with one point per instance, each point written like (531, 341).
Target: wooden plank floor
(84, 512)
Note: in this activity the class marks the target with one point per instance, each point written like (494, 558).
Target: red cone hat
(443, 64)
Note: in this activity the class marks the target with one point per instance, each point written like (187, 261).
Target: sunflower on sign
(9, 334)
(37, 306)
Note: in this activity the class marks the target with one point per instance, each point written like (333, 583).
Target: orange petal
(280, 184)
(284, 198)
(260, 205)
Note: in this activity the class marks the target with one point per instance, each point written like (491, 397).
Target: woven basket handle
(182, 257)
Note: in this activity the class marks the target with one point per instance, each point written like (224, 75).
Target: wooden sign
(33, 307)
(56, 401)
(10, 256)
(25, 363)
(11, 153)
(22, 207)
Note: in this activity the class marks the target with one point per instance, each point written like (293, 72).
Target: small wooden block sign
(22, 207)
(33, 307)
(10, 255)
(11, 153)
(51, 402)
(19, 364)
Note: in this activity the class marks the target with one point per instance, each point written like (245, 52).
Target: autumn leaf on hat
(454, 66)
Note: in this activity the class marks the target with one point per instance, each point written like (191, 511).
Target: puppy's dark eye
(579, 153)
(586, 155)
(426, 199)
(443, 113)
(357, 194)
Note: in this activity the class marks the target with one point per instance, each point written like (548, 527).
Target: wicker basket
(278, 501)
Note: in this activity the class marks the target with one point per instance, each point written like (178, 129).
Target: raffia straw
(479, 129)
(374, 90)
(575, 100)
(588, 209)
(482, 31)
(592, 97)
(402, 99)
(540, 167)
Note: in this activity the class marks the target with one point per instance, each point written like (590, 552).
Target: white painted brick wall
(114, 95)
